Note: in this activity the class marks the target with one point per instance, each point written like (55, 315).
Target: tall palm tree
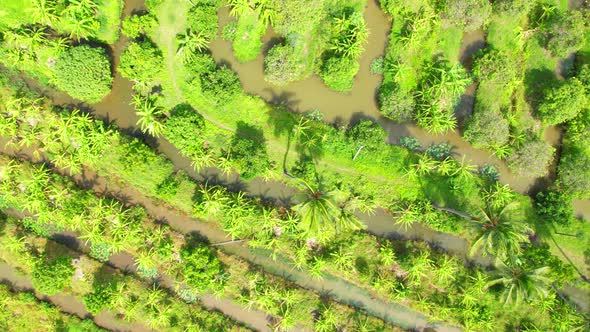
(520, 284)
(323, 213)
(149, 114)
(317, 211)
(499, 233)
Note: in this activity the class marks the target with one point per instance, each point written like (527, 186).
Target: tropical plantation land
(294, 165)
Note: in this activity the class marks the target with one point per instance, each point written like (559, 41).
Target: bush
(487, 128)
(100, 298)
(440, 151)
(562, 103)
(137, 25)
(531, 159)
(578, 127)
(201, 268)
(490, 172)
(555, 207)
(100, 251)
(410, 143)
(338, 73)
(184, 129)
(367, 133)
(220, 85)
(282, 65)
(51, 276)
(564, 33)
(168, 188)
(377, 66)
(396, 105)
(248, 151)
(84, 72)
(472, 14)
(141, 62)
(573, 172)
(203, 18)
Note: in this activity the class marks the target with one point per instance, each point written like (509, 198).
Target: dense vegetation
(520, 252)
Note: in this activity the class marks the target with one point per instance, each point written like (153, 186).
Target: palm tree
(317, 211)
(266, 12)
(520, 284)
(43, 11)
(149, 114)
(239, 7)
(190, 43)
(80, 28)
(498, 233)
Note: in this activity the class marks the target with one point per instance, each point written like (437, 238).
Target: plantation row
(394, 272)
(318, 148)
(55, 269)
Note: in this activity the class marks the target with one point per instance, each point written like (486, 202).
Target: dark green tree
(84, 72)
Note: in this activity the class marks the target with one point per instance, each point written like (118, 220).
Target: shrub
(168, 188)
(573, 172)
(440, 151)
(141, 62)
(377, 66)
(282, 65)
(487, 128)
(201, 268)
(220, 85)
(396, 104)
(472, 14)
(410, 143)
(531, 159)
(100, 298)
(100, 251)
(367, 133)
(184, 128)
(562, 103)
(248, 151)
(203, 18)
(555, 207)
(338, 73)
(578, 127)
(229, 31)
(84, 72)
(137, 25)
(490, 172)
(564, 33)
(51, 276)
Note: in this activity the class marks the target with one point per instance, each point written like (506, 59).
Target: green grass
(13, 13)
(247, 42)
(109, 17)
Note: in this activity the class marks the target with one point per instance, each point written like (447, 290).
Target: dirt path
(66, 303)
